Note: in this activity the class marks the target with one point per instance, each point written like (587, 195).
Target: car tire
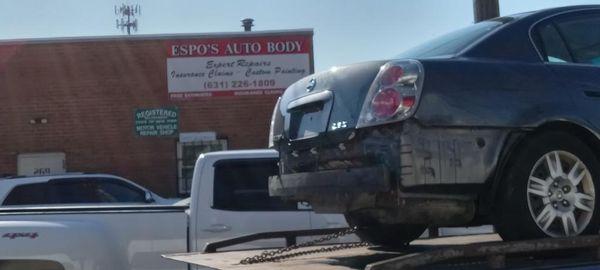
(539, 199)
(389, 235)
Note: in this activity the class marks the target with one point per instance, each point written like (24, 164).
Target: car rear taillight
(386, 103)
(394, 94)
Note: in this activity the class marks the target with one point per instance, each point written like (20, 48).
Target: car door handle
(217, 228)
(594, 94)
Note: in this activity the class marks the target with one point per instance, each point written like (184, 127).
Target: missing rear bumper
(303, 186)
(369, 191)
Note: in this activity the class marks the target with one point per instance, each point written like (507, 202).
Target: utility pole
(127, 14)
(485, 9)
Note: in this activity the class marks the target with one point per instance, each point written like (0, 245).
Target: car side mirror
(304, 205)
(149, 198)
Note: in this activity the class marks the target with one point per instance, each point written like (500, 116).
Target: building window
(187, 154)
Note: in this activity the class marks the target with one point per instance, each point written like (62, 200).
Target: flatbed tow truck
(482, 251)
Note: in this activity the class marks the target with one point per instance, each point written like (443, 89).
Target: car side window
(242, 185)
(75, 191)
(582, 36)
(29, 194)
(109, 190)
(551, 44)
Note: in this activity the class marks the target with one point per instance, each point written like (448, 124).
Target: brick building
(78, 97)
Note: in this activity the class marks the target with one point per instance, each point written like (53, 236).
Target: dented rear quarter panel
(469, 107)
(489, 93)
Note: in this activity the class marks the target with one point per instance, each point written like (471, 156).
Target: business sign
(157, 122)
(240, 65)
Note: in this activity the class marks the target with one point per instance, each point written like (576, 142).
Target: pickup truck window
(242, 185)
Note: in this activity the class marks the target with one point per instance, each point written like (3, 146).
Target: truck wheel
(550, 190)
(389, 235)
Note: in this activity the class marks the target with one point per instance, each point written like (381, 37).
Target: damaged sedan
(497, 123)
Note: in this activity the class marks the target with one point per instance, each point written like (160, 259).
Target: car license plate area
(308, 121)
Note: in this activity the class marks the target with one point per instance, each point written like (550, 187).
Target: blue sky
(346, 31)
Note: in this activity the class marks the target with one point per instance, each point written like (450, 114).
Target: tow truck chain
(282, 253)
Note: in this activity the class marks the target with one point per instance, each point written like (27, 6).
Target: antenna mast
(127, 17)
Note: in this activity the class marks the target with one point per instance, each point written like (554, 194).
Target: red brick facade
(88, 92)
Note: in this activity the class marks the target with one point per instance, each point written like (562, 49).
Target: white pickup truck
(229, 198)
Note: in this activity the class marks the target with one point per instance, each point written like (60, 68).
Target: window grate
(187, 154)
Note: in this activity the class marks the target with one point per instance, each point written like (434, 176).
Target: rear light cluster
(394, 95)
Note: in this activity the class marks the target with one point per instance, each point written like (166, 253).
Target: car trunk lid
(327, 102)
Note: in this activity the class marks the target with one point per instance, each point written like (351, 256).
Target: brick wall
(89, 91)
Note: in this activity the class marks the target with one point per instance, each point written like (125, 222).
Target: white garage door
(41, 163)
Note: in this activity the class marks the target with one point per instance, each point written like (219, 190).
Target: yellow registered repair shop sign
(157, 122)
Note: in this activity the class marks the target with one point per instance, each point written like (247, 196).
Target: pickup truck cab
(229, 198)
(232, 199)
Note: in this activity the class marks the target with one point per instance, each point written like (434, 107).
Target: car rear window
(454, 42)
(28, 194)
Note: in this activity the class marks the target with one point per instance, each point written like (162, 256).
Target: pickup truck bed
(571, 253)
(95, 237)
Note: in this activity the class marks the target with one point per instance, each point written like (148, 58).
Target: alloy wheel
(560, 194)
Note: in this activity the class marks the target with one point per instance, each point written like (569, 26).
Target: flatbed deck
(355, 258)
(457, 252)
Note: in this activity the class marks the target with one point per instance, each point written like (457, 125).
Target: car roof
(7, 184)
(212, 157)
(44, 178)
(512, 41)
(543, 13)
(552, 10)
(569, 8)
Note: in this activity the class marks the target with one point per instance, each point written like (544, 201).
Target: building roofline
(302, 31)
